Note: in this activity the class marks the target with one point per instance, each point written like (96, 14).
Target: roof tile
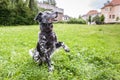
(92, 12)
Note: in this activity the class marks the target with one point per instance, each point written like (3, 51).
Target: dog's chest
(50, 37)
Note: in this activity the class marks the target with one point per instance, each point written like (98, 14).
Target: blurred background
(22, 12)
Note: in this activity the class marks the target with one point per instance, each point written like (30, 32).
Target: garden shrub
(18, 15)
(76, 21)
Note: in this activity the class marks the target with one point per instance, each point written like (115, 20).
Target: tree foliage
(17, 12)
(51, 2)
(99, 19)
(76, 21)
(4, 4)
(90, 19)
(102, 18)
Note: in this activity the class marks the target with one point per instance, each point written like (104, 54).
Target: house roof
(92, 12)
(113, 3)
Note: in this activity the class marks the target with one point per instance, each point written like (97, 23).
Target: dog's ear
(38, 17)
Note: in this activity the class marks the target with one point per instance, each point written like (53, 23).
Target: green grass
(95, 53)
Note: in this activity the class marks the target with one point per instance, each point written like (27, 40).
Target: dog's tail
(31, 52)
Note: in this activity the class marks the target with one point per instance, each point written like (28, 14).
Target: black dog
(47, 42)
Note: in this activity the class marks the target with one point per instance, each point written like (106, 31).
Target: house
(91, 13)
(111, 11)
(52, 8)
(66, 18)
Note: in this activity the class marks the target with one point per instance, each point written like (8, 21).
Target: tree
(16, 12)
(4, 12)
(96, 19)
(4, 4)
(90, 19)
(102, 18)
(46, 1)
(99, 19)
(79, 16)
(32, 5)
(51, 2)
(27, 3)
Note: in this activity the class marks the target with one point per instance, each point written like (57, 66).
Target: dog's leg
(38, 54)
(48, 57)
(65, 47)
(36, 57)
(42, 43)
(48, 60)
(47, 52)
(61, 44)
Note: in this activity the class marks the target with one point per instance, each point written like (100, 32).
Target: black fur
(47, 42)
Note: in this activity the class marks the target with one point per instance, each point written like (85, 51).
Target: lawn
(95, 53)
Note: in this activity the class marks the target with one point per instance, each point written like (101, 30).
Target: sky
(74, 8)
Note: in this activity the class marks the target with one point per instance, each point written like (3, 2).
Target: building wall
(111, 13)
(53, 8)
(60, 17)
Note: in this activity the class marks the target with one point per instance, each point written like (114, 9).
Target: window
(113, 16)
(106, 9)
(110, 9)
(110, 16)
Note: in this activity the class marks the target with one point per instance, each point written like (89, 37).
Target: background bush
(74, 21)
(21, 12)
(99, 19)
(17, 13)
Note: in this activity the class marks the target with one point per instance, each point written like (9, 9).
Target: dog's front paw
(51, 68)
(66, 49)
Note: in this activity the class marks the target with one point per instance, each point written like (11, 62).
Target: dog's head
(46, 19)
